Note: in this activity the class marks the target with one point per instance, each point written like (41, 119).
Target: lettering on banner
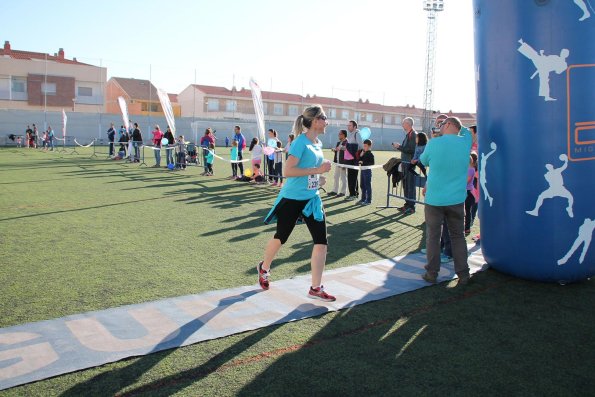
(95, 336)
(31, 358)
(217, 316)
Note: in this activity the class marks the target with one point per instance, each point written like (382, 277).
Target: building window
(397, 120)
(154, 107)
(143, 106)
(213, 105)
(356, 116)
(332, 113)
(345, 114)
(265, 107)
(85, 91)
(19, 85)
(293, 110)
(48, 88)
(369, 117)
(388, 119)
(231, 106)
(278, 109)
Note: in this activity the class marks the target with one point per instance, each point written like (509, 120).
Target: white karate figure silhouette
(553, 176)
(545, 64)
(583, 6)
(483, 179)
(585, 231)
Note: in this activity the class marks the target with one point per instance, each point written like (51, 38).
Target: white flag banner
(124, 110)
(258, 108)
(64, 121)
(167, 109)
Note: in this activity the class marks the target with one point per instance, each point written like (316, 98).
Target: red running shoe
(263, 276)
(318, 293)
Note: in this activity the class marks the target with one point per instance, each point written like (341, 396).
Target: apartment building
(215, 102)
(39, 81)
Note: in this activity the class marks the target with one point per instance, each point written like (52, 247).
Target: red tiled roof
(173, 98)
(138, 89)
(280, 96)
(28, 55)
(321, 100)
(212, 90)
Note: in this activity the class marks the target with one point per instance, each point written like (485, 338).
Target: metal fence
(88, 126)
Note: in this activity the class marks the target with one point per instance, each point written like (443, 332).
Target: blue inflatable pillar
(535, 72)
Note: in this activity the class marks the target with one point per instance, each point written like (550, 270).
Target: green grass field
(80, 234)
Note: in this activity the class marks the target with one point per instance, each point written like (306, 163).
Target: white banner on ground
(258, 108)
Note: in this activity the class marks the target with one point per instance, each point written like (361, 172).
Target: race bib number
(313, 182)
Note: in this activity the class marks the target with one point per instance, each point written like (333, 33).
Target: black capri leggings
(288, 211)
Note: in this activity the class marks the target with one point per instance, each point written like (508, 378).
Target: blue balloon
(164, 141)
(365, 133)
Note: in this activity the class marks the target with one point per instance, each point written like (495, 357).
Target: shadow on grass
(498, 336)
(81, 209)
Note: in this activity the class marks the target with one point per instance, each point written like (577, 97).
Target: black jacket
(407, 148)
(367, 158)
(136, 135)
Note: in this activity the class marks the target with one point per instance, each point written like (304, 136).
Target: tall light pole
(432, 7)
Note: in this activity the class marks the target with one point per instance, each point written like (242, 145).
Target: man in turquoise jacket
(448, 161)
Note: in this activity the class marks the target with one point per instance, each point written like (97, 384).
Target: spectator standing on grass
(233, 156)
(300, 196)
(366, 159)
(44, 141)
(226, 142)
(111, 136)
(445, 246)
(36, 135)
(407, 149)
(210, 158)
(448, 160)
(157, 137)
(241, 140)
(137, 141)
(278, 165)
(33, 137)
(169, 150)
(271, 142)
(205, 142)
(181, 153)
(354, 140)
(50, 138)
(340, 176)
(28, 133)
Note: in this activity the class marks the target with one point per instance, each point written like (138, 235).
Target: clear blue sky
(371, 49)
